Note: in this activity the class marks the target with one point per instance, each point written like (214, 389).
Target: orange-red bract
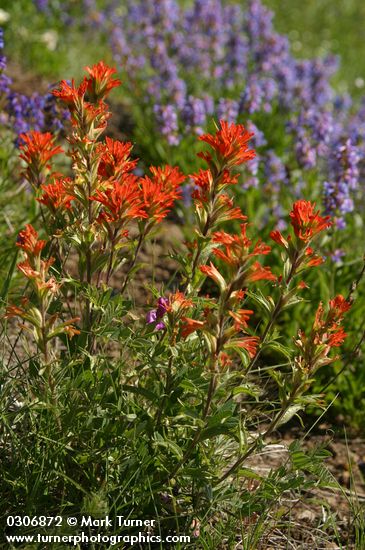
(122, 201)
(101, 79)
(159, 191)
(57, 195)
(38, 147)
(115, 160)
(230, 143)
(28, 241)
(306, 221)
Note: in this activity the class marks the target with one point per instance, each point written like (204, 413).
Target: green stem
(133, 262)
(275, 314)
(111, 258)
(166, 392)
(207, 227)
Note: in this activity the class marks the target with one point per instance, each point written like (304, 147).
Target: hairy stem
(133, 262)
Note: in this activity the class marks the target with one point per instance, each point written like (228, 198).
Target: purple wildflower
(156, 315)
(167, 118)
(337, 255)
(344, 174)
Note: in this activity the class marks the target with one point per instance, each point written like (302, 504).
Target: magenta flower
(156, 314)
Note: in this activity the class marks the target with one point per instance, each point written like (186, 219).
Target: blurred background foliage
(317, 27)
(314, 28)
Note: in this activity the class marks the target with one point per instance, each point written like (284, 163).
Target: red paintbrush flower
(204, 180)
(326, 333)
(38, 148)
(101, 81)
(230, 144)
(27, 270)
(212, 272)
(57, 195)
(225, 360)
(260, 273)
(307, 222)
(338, 307)
(70, 94)
(121, 201)
(279, 238)
(70, 330)
(337, 338)
(177, 302)
(115, 158)
(225, 210)
(249, 343)
(159, 192)
(94, 113)
(237, 248)
(313, 259)
(14, 311)
(190, 325)
(28, 241)
(241, 316)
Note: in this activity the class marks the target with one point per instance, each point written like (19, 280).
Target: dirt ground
(322, 518)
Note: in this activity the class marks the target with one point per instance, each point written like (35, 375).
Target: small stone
(307, 515)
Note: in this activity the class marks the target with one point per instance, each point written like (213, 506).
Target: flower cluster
(307, 224)
(344, 172)
(37, 149)
(172, 307)
(46, 326)
(94, 209)
(327, 333)
(236, 266)
(224, 324)
(197, 347)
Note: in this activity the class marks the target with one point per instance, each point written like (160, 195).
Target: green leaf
(276, 346)
(6, 284)
(248, 389)
(168, 444)
(224, 412)
(266, 303)
(292, 410)
(140, 391)
(248, 473)
(220, 429)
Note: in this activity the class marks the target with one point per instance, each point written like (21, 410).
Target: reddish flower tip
(189, 325)
(69, 93)
(307, 222)
(279, 238)
(57, 195)
(159, 191)
(38, 147)
(28, 241)
(101, 81)
(230, 143)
